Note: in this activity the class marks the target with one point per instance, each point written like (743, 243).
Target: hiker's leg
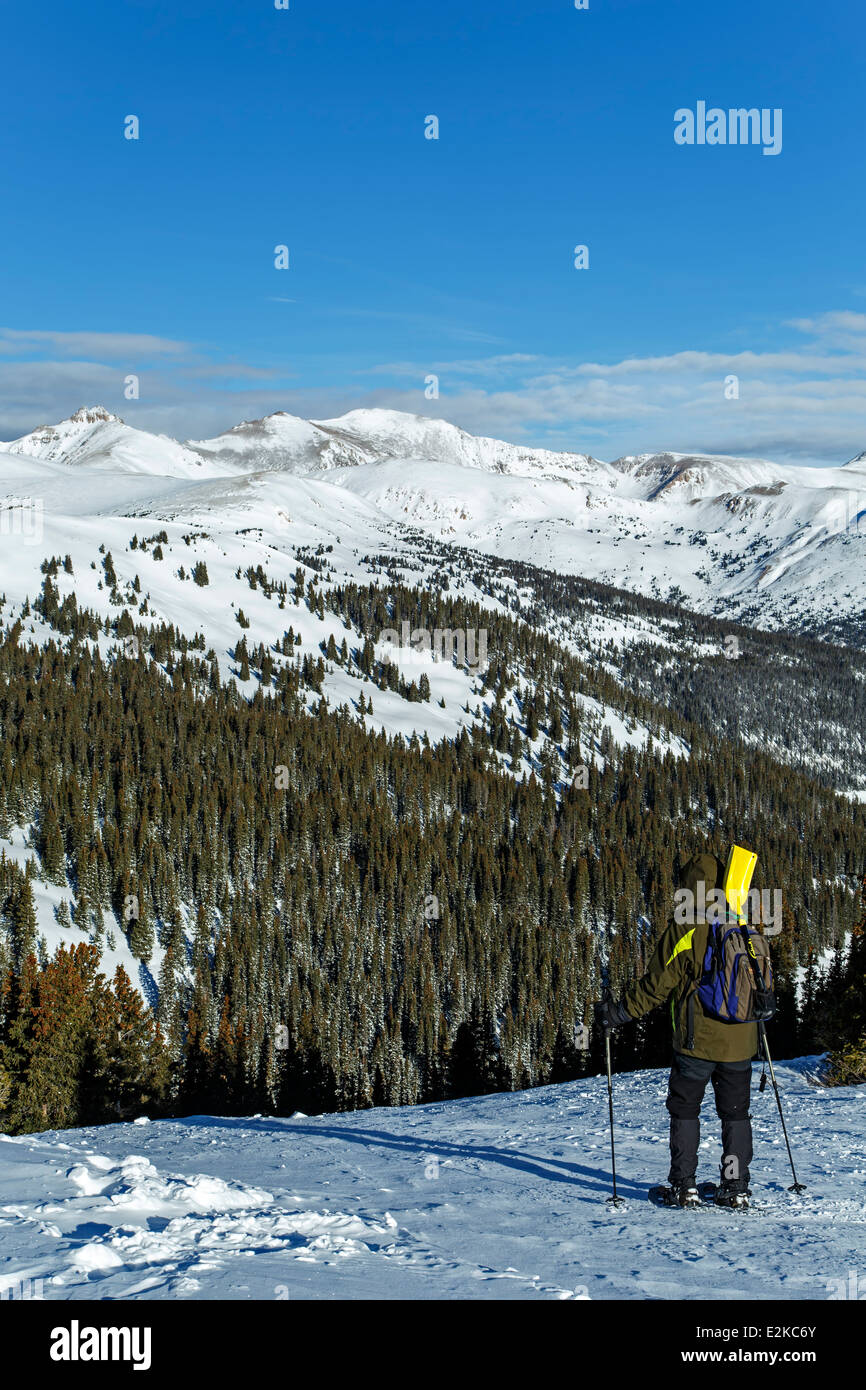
(688, 1080)
(732, 1085)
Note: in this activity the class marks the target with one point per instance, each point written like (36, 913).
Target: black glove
(609, 1015)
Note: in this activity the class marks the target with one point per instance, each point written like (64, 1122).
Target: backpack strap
(763, 993)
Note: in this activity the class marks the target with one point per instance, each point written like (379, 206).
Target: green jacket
(674, 969)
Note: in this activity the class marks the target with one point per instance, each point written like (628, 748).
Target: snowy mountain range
(773, 546)
(748, 541)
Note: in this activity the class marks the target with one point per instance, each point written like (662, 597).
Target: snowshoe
(681, 1194)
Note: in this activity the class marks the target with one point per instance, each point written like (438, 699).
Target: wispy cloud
(482, 366)
(838, 320)
(107, 346)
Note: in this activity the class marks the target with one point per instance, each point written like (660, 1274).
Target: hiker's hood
(704, 867)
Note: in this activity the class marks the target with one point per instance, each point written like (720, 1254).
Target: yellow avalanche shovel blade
(738, 876)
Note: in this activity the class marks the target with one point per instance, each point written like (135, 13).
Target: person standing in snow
(705, 1048)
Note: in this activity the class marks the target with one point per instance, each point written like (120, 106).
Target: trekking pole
(614, 1201)
(797, 1186)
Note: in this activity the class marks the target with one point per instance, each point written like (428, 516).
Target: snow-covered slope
(746, 538)
(497, 1197)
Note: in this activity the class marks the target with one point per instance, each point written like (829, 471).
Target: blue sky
(452, 257)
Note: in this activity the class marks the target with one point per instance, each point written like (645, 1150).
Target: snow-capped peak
(95, 438)
(48, 441)
(93, 415)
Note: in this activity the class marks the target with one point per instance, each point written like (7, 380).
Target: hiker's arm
(670, 962)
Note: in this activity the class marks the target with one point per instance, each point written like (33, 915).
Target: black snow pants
(732, 1082)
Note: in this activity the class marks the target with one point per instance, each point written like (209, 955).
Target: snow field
(495, 1197)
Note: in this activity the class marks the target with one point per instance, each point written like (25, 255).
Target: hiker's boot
(686, 1193)
(734, 1193)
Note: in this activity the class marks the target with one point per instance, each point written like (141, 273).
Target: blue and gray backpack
(736, 984)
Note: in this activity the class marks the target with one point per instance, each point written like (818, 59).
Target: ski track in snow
(492, 1197)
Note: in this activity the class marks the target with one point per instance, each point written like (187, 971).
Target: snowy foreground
(495, 1197)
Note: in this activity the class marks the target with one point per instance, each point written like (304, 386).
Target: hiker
(706, 1047)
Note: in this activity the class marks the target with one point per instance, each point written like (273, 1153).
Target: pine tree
(140, 929)
(24, 922)
(53, 849)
